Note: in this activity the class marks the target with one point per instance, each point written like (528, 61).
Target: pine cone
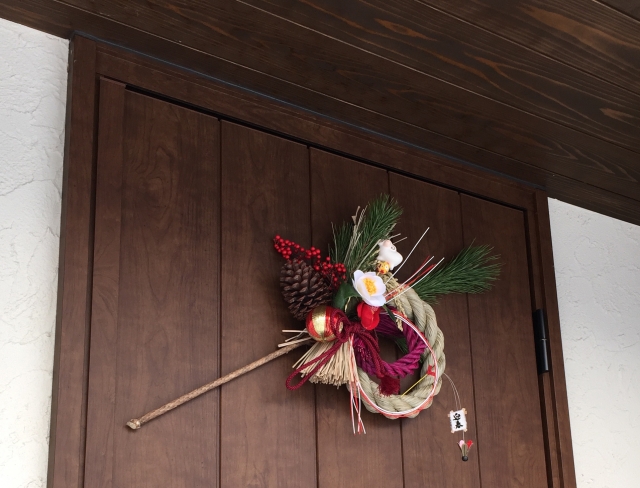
(303, 288)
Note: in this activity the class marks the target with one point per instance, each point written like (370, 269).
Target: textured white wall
(33, 79)
(597, 262)
(597, 267)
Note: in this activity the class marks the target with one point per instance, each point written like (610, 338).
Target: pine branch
(356, 244)
(341, 238)
(472, 271)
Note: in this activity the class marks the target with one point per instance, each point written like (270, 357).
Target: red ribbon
(343, 334)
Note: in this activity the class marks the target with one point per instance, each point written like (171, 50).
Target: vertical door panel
(268, 432)
(431, 456)
(510, 441)
(338, 187)
(155, 295)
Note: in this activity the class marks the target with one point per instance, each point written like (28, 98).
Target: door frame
(89, 61)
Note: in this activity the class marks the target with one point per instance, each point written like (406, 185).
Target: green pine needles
(356, 244)
(472, 271)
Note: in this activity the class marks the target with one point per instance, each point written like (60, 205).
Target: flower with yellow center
(370, 287)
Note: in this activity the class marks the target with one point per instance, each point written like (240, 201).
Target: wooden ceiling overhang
(545, 92)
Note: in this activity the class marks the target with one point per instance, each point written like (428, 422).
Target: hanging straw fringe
(336, 371)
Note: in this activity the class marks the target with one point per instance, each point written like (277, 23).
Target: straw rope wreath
(413, 402)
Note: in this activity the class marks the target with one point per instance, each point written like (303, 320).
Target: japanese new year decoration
(350, 299)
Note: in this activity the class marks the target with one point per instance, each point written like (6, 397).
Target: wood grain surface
(510, 434)
(155, 327)
(380, 85)
(585, 34)
(372, 146)
(544, 91)
(267, 432)
(630, 7)
(438, 44)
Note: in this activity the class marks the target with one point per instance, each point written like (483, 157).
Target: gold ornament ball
(318, 324)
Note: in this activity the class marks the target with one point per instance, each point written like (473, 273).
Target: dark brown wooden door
(185, 289)
(155, 314)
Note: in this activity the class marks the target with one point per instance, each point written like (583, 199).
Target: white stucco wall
(33, 79)
(597, 266)
(597, 262)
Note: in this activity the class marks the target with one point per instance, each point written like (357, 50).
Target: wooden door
(185, 289)
(155, 311)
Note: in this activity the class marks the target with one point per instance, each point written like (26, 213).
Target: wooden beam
(423, 82)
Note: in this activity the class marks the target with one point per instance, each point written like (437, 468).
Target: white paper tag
(458, 420)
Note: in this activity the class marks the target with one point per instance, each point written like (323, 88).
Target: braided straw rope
(423, 316)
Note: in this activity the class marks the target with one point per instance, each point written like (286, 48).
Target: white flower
(370, 287)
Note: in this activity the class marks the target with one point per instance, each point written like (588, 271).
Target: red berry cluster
(334, 273)
(289, 249)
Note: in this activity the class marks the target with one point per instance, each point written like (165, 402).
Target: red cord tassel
(389, 385)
